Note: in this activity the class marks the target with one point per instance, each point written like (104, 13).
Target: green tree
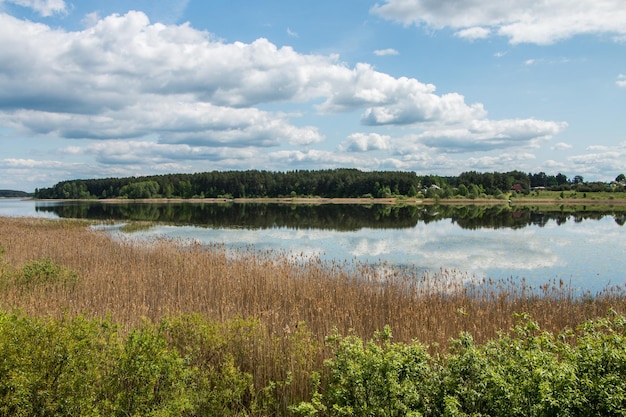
(142, 189)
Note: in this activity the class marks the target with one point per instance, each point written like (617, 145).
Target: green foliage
(45, 272)
(52, 368)
(377, 378)
(236, 184)
(210, 348)
(141, 189)
(528, 372)
(190, 366)
(38, 273)
(87, 367)
(521, 375)
(600, 358)
(147, 378)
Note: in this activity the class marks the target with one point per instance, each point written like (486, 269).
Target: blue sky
(117, 88)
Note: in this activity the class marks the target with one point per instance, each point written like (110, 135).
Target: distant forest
(332, 183)
(14, 193)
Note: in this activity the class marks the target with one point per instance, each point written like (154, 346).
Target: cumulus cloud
(363, 142)
(474, 33)
(526, 21)
(146, 152)
(600, 161)
(398, 101)
(166, 96)
(27, 163)
(561, 146)
(621, 81)
(316, 159)
(125, 78)
(43, 7)
(488, 135)
(493, 163)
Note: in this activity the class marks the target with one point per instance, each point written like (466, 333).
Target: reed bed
(130, 282)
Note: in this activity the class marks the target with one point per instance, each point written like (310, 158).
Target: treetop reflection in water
(340, 217)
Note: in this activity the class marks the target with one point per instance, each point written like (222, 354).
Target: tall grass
(129, 282)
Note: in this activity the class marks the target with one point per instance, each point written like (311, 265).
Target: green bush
(191, 366)
(523, 374)
(377, 378)
(599, 358)
(528, 372)
(534, 373)
(210, 348)
(51, 368)
(46, 272)
(147, 378)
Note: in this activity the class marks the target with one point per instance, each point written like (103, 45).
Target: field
(568, 196)
(264, 316)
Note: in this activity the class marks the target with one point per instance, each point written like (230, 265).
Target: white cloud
(363, 142)
(150, 153)
(27, 163)
(600, 161)
(474, 33)
(317, 159)
(126, 78)
(386, 52)
(165, 96)
(621, 81)
(90, 19)
(494, 163)
(292, 33)
(522, 21)
(598, 148)
(398, 101)
(43, 7)
(561, 146)
(487, 135)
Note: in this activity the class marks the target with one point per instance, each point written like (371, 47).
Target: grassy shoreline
(513, 201)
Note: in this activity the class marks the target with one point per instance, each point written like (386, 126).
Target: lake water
(586, 249)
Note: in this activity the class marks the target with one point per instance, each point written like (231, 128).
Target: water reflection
(339, 217)
(582, 246)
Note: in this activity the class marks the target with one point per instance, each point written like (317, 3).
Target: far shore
(369, 201)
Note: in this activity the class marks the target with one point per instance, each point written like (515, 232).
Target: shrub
(147, 378)
(599, 358)
(220, 387)
(45, 272)
(377, 378)
(50, 367)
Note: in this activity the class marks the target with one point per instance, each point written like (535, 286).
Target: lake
(584, 248)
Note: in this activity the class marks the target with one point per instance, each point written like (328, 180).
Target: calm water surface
(586, 249)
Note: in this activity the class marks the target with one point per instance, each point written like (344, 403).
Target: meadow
(172, 327)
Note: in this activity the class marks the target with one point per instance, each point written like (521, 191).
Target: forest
(331, 183)
(13, 194)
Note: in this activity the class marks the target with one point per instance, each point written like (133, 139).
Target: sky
(98, 89)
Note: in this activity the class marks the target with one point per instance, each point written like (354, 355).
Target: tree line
(330, 183)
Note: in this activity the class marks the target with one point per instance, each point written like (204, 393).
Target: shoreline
(394, 201)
